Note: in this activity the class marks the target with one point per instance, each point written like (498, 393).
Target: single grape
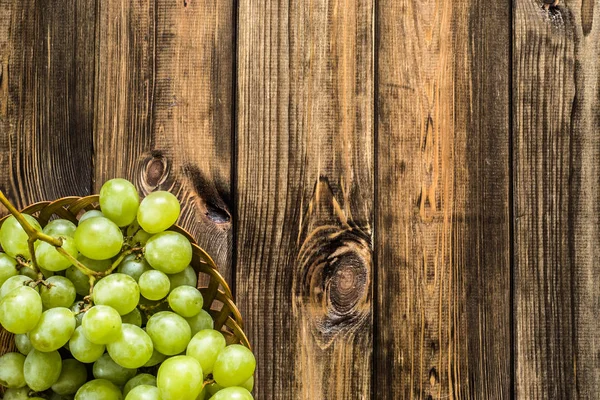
(60, 227)
(99, 389)
(8, 268)
(80, 281)
(133, 266)
(232, 393)
(11, 370)
(106, 368)
(169, 332)
(90, 214)
(154, 285)
(158, 211)
(101, 324)
(15, 282)
(186, 301)
(202, 395)
(49, 258)
(42, 370)
(234, 366)
(140, 379)
(13, 237)
(119, 201)
(133, 318)
(76, 308)
(98, 238)
(23, 343)
(144, 392)
(118, 291)
(178, 378)
(205, 347)
(169, 252)
(137, 236)
(53, 330)
(82, 349)
(58, 292)
(28, 272)
(156, 359)
(20, 310)
(72, 376)
(187, 277)
(201, 321)
(95, 265)
(17, 394)
(132, 349)
(213, 388)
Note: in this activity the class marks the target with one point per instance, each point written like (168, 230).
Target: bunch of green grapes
(115, 314)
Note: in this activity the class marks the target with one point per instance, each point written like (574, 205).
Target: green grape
(169, 252)
(28, 272)
(106, 368)
(178, 378)
(72, 376)
(95, 265)
(133, 318)
(15, 282)
(141, 379)
(17, 394)
(205, 347)
(132, 349)
(13, 237)
(90, 214)
(82, 349)
(234, 366)
(42, 369)
(8, 268)
(249, 384)
(80, 281)
(56, 396)
(23, 343)
(144, 392)
(58, 292)
(156, 359)
(99, 389)
(133, 266)
(186, 301)
(98, 238)
(53, 330)
(158, 211)
(232, 393)
(101, 324)
(49, 258)
(202, 395)
(169, 332)
(76, 308)
(118, 291)
(119, 201)
(137, 236)
(20, 310)
(213, 388)
(187, 277)
(11, 370)
(154, 285)
(201, 321)
(60, 227)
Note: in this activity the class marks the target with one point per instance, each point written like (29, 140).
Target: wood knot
(157, 170)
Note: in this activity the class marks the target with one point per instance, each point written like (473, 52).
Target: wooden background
(404, 194)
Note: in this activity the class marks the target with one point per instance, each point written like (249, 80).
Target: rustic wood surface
(404, 195)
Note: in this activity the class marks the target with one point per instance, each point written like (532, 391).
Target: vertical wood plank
(557, 193)
(305, 195)
(443, 226)
(164, 108)
(46, 81)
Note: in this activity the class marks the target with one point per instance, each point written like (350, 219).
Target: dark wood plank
(164, 108)
(46, 114)
(305, 195)
(443, 226)
(557, 177)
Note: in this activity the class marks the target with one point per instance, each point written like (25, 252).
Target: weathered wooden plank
(46, 59)
(305, 195)
(557, 188)
(443, 227)
(164, 108)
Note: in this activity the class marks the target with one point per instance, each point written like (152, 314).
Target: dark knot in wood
(333, 287)
(156, 170)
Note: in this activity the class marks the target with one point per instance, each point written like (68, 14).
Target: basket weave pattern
(218, 299)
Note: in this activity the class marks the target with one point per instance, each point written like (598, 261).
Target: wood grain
(46, 59)
(557, 155)
(305, 195)
(443, 225)
(164, 108)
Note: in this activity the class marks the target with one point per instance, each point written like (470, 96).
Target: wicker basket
(218, 300)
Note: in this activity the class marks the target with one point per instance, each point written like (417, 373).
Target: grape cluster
(113, 311)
